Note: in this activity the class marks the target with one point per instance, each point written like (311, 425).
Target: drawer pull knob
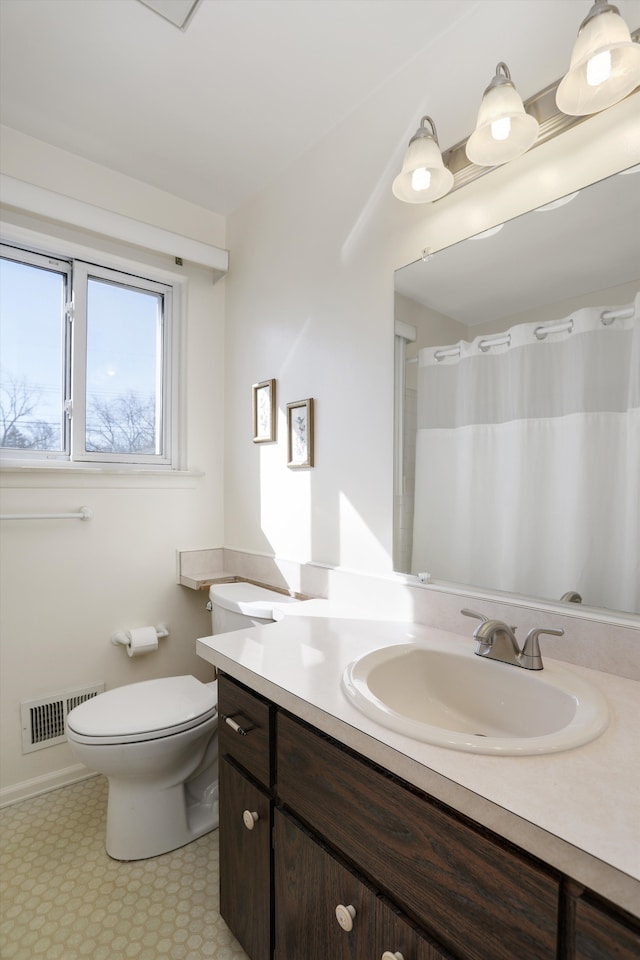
(345, 916)
(234, 726)
(249, 818)
(387, 955)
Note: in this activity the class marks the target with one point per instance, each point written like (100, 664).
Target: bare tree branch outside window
(18, 402)
(126, 424)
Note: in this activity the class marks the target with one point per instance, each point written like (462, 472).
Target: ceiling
(216, 111)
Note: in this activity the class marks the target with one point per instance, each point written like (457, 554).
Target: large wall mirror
(518, 405)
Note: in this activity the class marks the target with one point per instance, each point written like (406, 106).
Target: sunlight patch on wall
(285, 502)
(360, 549)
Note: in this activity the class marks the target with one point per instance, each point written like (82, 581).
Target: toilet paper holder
(120, 638)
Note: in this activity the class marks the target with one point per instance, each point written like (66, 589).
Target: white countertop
(576, 810)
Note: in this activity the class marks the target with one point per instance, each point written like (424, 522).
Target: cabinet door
(245, 861)
(395, 936)
(309, 885)
(600, 936)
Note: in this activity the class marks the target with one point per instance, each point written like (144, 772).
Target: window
(86, 362)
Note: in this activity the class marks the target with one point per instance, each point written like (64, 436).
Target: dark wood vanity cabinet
(413, 879)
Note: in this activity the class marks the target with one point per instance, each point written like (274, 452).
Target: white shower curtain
(528, 460)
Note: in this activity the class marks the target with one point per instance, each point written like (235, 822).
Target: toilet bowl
(156, 743)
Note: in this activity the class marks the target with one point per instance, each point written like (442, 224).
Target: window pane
(32, 324)
(124, 369)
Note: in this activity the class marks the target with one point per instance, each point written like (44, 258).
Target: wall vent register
(44, 719)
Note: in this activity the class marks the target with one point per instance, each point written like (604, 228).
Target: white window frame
(82, 273)
(118, 271)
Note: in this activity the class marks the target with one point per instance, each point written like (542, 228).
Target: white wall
(68, 585)
(310, 299)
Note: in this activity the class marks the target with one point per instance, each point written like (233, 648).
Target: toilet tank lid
(144, 707)
(248, 599)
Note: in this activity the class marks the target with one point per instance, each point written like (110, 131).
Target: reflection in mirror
(518, 405)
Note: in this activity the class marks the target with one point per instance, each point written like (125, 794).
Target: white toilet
(156, 743)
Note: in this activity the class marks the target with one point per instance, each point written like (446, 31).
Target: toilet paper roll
(141, 640)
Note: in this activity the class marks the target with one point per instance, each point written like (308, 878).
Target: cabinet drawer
(478, 898)
(250, 746)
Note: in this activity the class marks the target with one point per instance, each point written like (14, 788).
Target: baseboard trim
(44, 784)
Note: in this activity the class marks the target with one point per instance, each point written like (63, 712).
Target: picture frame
(300, 430)
(264, 411)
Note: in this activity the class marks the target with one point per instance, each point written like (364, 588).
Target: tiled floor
(63, 898)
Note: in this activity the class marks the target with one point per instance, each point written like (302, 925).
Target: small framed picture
(264, 411)
(300, 433)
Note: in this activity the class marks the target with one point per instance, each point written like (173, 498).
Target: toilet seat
(149, 710)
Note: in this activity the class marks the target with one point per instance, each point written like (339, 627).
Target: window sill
(60, 474)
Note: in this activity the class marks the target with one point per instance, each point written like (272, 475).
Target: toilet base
(138, 829)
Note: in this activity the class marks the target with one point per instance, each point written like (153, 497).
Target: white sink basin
(453, 698)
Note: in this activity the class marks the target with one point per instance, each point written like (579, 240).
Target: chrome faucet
(496, 640)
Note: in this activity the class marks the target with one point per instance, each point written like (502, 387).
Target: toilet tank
(236, 606)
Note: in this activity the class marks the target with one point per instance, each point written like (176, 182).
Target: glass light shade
(605, 65)
(503, 130)
(424, 177)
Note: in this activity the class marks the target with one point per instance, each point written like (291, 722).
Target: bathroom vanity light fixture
(423, 177)
(503, 130)
(605, 63)
(605, 68)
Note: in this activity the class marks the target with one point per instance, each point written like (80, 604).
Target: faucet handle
(481, 616)
(472, 613)
(531, 648)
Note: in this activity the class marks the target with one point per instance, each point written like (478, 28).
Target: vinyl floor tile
(63, 898)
